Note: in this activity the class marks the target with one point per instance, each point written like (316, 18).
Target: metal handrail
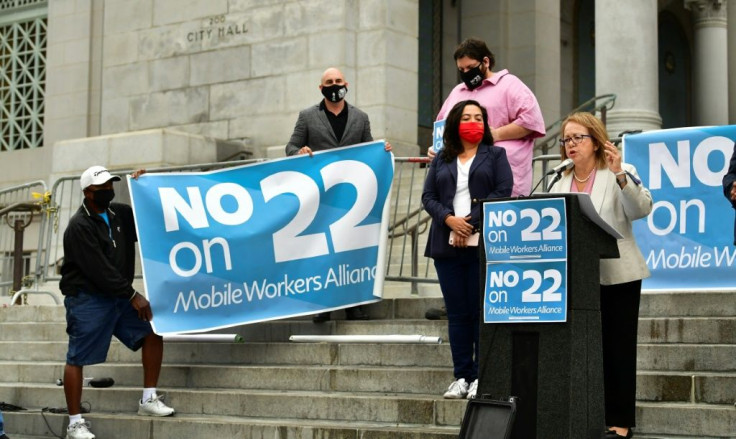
(601, 104)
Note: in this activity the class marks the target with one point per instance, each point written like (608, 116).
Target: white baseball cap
(96, 175)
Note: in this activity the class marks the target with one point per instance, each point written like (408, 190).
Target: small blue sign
(525, 230)
(526, 292)
(526, 261)
(438, 133)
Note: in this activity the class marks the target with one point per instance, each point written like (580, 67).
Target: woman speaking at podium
(467, 169)
(619, 198)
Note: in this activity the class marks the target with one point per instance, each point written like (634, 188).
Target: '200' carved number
(346, 234)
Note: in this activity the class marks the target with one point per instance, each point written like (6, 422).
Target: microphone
(564, 166)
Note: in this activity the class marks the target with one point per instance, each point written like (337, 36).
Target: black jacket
(728, 181)
(94, 262)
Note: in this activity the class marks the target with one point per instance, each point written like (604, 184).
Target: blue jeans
(2, 431)
(459, 282)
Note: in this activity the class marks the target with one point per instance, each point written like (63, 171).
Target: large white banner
(276, 239)
(687, 240)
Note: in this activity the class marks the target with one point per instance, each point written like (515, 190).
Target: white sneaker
(473, 389)
(155, 407)
(457, 390)
(79, 430)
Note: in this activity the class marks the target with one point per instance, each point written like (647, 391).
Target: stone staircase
(271, 388)
(266, 387)
(686, 384)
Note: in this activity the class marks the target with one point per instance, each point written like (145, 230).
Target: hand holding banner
(265, 241)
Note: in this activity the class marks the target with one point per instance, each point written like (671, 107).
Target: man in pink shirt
(513, 111)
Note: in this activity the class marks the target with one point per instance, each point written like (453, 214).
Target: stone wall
(228, 69)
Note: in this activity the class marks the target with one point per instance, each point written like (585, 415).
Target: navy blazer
(490, 177)
(728, 181)
(313, 129)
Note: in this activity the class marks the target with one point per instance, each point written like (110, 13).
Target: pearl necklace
(583, 180)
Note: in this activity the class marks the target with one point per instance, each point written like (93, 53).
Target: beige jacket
(619, 208)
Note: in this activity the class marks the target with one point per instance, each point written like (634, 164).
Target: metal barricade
(26, 210)
(409, 223)
(407, 230)
(66, 196)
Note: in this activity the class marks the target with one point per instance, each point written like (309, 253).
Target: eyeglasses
(575, 140)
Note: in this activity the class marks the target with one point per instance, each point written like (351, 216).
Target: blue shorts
(92, 320)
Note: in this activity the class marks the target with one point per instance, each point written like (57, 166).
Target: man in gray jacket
(330, 124)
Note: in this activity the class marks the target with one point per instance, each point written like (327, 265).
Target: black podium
(555, 369)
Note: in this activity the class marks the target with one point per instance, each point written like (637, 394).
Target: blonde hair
(597, 131)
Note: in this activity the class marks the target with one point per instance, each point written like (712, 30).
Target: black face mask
(334, 93)
(473, 78)
(103, 197)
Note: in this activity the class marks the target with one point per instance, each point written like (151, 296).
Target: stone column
(626, 63)
(731, 11)
(710, 66)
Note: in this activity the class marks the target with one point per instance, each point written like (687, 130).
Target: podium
(555, 369)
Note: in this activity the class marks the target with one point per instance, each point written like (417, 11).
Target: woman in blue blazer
(468, 169)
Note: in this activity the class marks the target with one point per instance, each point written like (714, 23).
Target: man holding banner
(331, 124)
(97, 282)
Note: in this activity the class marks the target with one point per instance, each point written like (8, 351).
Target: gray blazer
(313, 129)
(618, 208)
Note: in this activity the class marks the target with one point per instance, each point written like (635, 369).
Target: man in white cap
(97, 282)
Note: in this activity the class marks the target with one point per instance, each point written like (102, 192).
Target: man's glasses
(575, 140)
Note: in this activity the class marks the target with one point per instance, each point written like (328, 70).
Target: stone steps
(409, 380)
(270, 388)
(262, 353)
(188, 426)
(667, 419)
(388, 408)
(712, 330)
(686, 357)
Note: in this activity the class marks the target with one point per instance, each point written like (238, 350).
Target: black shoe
(436, 314)
(4, 437)
(611, 434)
(321, 317)
(356, 313)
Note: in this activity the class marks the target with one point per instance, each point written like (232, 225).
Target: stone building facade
(132, 83)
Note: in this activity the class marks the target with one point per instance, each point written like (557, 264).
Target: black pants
(619, 321)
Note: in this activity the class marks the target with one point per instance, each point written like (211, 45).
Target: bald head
(332, 76)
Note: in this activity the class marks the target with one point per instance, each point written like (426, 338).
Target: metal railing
(22, 207)
(409, 222)
(599, 104)
(66, 196)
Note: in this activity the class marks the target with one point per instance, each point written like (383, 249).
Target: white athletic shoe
(154, 407)
(79, 430)
(457, 390)
(473, 389)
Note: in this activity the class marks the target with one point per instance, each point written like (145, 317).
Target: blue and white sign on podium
(526, 261)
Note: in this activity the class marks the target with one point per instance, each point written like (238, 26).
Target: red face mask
(471, 131)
